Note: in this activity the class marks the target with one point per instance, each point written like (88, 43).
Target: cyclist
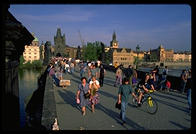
(144, 85)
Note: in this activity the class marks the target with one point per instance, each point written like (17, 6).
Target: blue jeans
(123, 110)
(56, 80)
(183, 85)
(189, 98)
(81, 73)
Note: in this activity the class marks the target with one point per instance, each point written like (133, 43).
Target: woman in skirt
(94, 87)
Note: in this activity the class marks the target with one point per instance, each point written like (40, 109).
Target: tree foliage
(92, 51)
(36, 64)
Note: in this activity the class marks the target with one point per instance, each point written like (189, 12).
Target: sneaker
(139, 104)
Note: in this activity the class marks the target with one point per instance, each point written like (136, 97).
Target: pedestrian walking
(189, 87)
(71, 67)
(118, 77)
(83, 89)
(81, 69)
(101, 75)
(184, 77)
(123, 96)
(94, 87)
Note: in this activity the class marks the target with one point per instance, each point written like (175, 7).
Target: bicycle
(150, 103)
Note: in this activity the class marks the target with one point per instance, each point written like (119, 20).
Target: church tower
(114, 42)
(59, 42)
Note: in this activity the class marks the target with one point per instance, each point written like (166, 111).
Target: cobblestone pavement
(172, 111)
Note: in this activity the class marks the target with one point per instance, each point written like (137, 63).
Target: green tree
(36, 64)
(22, 60)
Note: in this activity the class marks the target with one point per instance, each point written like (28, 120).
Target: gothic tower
(59, 42)
(114, 42)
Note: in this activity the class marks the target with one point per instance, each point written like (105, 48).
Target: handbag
(87, 95)
(118, 105)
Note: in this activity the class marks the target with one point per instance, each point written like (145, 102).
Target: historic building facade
(178, 57)
(61, 47)
(122, 56)
(32, 51)
(59, 42)
(114, 43)
(162, 55)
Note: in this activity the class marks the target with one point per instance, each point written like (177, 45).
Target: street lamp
(137, 51)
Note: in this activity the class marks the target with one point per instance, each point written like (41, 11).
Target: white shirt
(96, 81)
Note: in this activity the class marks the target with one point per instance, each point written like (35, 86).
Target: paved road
(171, 115)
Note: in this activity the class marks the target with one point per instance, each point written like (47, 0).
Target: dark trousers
(101, 79)
(183, 85)
(56, 80)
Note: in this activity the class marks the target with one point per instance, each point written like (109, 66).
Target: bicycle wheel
(151, 105)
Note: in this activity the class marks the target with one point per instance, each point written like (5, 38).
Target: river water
(171, 71)
(27, 85)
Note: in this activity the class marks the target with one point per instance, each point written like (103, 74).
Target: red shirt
(168, 84)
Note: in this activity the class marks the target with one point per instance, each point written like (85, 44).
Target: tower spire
(58, 34)
(114, 36)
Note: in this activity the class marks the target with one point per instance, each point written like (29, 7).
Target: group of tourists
(88, 89)
(58, 66)
(92, 78)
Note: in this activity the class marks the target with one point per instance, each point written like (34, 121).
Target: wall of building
(123, 58)
(31, 53)
(169, 54)
(182, 57)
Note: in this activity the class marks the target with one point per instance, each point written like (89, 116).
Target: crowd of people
(92, 79)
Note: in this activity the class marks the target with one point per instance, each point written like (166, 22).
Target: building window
(35, 57)
(34, 49)
(35, 53)
(29, 53)
(29, 56)
(29, 49)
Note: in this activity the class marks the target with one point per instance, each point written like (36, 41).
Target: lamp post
(137, 51)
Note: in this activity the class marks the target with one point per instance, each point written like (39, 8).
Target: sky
(134, 24)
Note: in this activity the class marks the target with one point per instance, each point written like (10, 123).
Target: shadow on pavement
(69, 98)
(107, 81)
(168, 97)
(178, 125)
(116, 116)
(108, 94)
(173, 105)
(176, 95)
(77, 81)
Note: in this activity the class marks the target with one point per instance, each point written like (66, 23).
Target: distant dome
(36, 39)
